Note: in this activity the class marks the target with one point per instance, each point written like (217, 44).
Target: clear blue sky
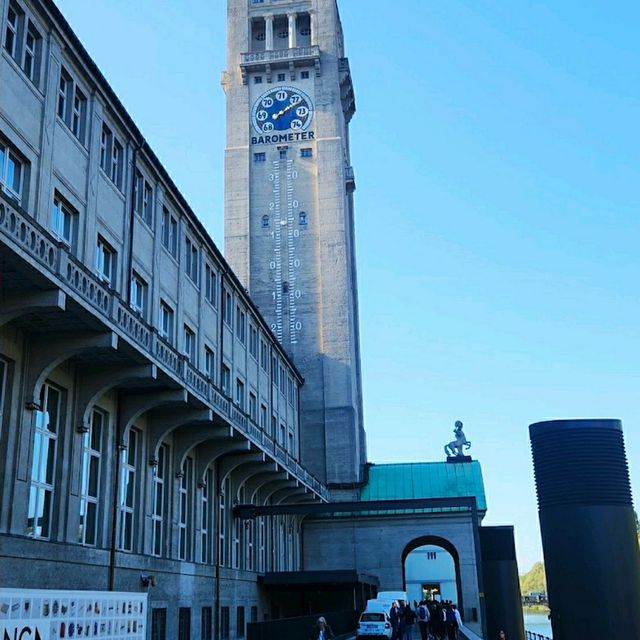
(496, 148)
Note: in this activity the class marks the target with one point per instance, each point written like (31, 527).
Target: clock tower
(289, 222)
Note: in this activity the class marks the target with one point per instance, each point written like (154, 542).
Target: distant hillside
(535, 581)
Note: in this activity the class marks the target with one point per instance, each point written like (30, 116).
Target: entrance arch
(443, 543)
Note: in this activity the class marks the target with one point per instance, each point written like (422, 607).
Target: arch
(443, 543)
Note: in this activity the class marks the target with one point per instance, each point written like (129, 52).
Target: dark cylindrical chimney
(588, 528)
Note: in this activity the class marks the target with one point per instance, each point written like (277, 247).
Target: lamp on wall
(148, 581)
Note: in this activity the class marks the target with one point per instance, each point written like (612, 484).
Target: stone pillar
(292, 31)
(313, 20)
(268, 30)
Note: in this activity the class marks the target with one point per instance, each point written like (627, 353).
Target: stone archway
(443, 543)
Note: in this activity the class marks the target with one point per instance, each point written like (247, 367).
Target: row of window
(281, 77)
(240, 545)
(23, 42)
(159, 622)
(261, 156)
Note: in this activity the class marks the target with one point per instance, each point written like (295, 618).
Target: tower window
(304, 75)
(257, 80)
(305, 31)
(283, 154)
(281, 77)
(259, 157)
(283, 34)
(265, 222)
(302, 217)
(260, 37)
(306, 153)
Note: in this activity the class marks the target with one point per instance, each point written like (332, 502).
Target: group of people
(432, 619)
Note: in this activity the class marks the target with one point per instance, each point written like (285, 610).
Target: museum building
(159, 433)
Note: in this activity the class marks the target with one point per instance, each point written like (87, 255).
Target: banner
(43, 614)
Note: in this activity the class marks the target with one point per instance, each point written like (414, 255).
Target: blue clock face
(281, 109)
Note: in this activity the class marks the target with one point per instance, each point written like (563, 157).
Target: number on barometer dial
(285, 262)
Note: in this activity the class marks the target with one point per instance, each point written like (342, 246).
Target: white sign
(43, 614)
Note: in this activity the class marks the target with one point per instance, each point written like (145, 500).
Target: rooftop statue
(456, 447)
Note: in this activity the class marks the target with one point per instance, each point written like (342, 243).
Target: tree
(535, 581)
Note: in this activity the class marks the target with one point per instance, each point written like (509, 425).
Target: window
(206, 626)
(3, 376)
(23, 43)
(191, 260)
(307, 152)
(262, 551)
(240, 324)
(290, 447)
(128, 491)
(12, 171)
(209, 362)
(265, 222)
(264, 355)
(105, 261)
(431, 555)
(253, 341)
(240, 393)
(274, 370)
(190, 345)
(253, 407)
(210, 285)
(11, 33)
(138, 294)
(31, 57)
(263, 416)
(302, 218)
(283, 154)
(45, 440)
(166, 322)
(224, 623)
(282, 440)
(111, 155)
(205, 512)
(290, 390)
(63, 218)
(169, 232)
(90, 485)
(283, 381)
(72, 105)
(159, 624)
(281, 77)
(143, 198)
(157, 516)
(184, 623)
(226, 380)
(304, 75)
(274, 422)
(240, 622)
(227, 309)
(260, 157)
(222, 524)
(185, 515)
(257, 80)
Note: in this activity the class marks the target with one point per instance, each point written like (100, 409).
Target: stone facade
(142, 394)
(289, 219)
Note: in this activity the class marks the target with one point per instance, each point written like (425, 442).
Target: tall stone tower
(289, 229)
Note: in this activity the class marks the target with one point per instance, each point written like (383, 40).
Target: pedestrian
(502, 635)
(394, 618)
(458, 618)
(409, 622)
(423, 620)
(450, 624)
(322, 631)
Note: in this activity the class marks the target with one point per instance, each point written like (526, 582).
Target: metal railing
(21, 231)
(275, 55)
(536, 636)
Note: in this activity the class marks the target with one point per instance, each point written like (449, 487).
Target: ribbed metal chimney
(588, 528)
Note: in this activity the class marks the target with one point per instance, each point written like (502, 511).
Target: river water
(538, 623)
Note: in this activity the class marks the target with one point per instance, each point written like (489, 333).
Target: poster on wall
(43, 614)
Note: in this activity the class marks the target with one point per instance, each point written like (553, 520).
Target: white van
(374, 622)
(386, 598)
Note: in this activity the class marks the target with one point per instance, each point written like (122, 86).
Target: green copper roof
(425, 480)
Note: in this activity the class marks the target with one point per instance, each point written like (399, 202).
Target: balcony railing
(276, 55)
(27, 237)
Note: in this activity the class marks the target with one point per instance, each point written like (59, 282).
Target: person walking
(394, 618)
(409, 622)
(322, 631)
(423, 620)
